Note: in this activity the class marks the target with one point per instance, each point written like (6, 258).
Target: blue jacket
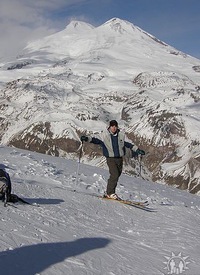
(113, 145)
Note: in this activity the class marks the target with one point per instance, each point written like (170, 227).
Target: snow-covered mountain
(74, 232)
(76, 80)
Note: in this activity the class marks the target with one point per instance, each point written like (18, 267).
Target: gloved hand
(134, 154)
(140, 152)
(84, 138)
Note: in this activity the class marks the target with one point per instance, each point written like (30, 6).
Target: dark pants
(115, 166)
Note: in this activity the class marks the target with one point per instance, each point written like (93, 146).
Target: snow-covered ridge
(76, 80)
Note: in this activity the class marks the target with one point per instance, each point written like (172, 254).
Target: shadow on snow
(36, 258)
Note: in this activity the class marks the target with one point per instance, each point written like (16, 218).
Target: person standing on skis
(113, 145)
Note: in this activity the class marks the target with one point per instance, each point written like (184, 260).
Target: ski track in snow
(74, 232)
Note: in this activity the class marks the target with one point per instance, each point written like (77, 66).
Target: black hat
(113, 123)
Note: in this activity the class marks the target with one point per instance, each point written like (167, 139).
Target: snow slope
(74, 232)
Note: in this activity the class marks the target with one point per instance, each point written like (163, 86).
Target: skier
(113, 145)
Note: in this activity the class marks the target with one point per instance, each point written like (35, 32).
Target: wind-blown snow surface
(74, 232)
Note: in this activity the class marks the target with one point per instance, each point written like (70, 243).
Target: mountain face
(75, 81)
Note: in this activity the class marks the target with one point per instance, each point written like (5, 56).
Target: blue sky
(176, 22)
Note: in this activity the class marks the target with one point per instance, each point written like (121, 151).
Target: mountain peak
(79, 25)
(119, 25)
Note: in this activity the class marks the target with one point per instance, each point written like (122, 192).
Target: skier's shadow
(33, 259)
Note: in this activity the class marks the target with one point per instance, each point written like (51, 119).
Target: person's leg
(115, 170)
(119, 163)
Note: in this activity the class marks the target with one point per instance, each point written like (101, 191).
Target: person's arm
(130, 146)
(91, 140)
(135, 150)
(96, 141)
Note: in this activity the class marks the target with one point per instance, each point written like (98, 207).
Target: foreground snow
(73, 232)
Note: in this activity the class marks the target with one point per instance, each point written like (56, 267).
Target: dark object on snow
(5, 189)
(5, 186)
(14, 198)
